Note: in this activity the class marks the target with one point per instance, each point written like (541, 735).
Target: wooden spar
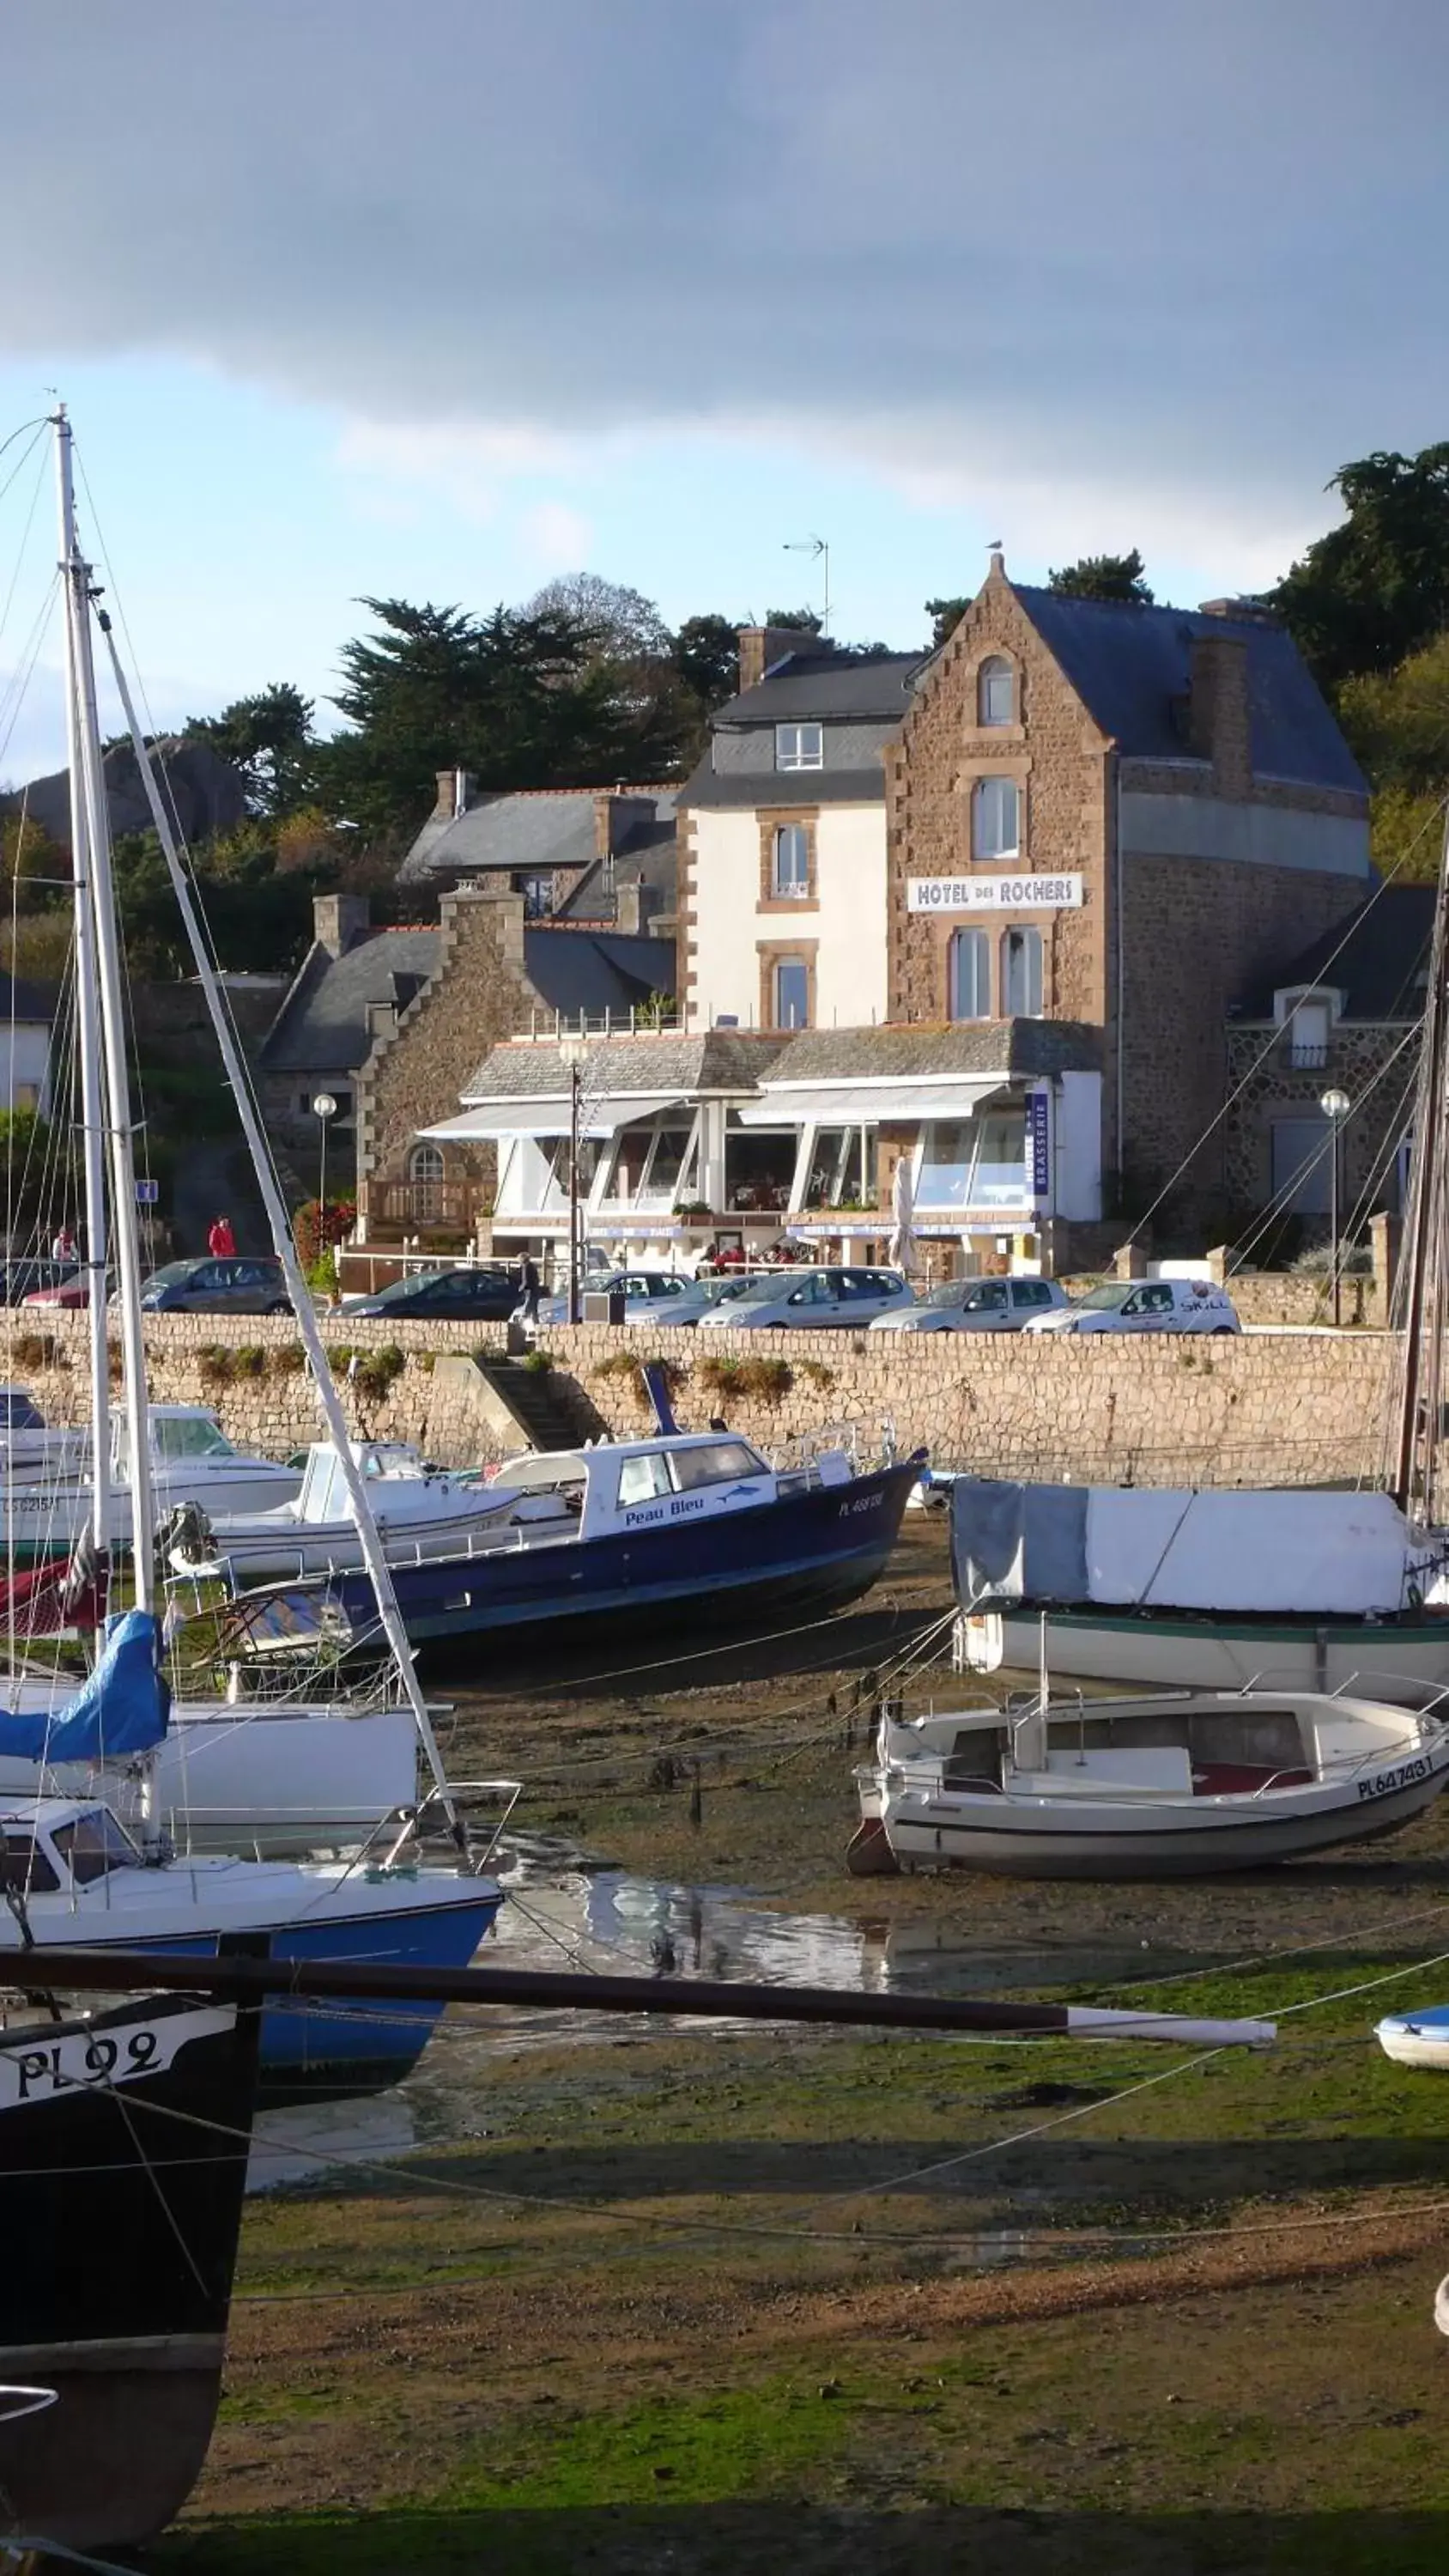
(250, 1980)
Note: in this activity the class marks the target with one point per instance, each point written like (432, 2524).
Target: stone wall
(1265, 1408)
(1374, 1061)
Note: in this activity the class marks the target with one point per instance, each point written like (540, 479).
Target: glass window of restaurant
(975, 1162)
(840, 1159)
(653, 1160)
(759, 1167)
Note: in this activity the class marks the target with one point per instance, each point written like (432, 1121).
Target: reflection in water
(311, 2139)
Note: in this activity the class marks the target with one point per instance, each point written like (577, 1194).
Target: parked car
(650, 1296)
(240, 1284)
(464, 1296)
(1145, 1306)
(795, 1301)
(976, 1306)
(74, 1289)
(725, 1289)
(25, 1277)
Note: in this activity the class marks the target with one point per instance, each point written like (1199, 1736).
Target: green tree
(706, 655)
(1375, 588)
(269, 738)
(795, 620)
(945, 616)
(1104, 577)
(34, 869)
(1398, 721)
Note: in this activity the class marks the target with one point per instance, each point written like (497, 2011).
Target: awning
(868, 1103)
(548, 1116)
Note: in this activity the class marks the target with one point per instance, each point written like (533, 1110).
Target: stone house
(497, 971)
(1121, 817)
(27, 1014)
(604, 855)
(1344, 1015)
(350, 988)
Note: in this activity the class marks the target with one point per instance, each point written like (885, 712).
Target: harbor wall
(1272, 1407)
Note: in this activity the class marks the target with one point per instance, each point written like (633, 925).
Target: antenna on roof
(814, 546)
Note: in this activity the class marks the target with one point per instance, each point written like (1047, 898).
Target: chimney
(762, 645)
(339, 921)
(634, 905)
(617, 812)
(1244, 612)
(1219, 726)
(456, 788)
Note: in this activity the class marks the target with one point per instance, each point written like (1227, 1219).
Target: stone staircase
(534, 1401)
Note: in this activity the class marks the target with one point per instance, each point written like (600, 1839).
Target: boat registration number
(46, 2067)
(1384, 1783)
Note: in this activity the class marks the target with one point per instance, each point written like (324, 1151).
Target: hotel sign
(994, 894)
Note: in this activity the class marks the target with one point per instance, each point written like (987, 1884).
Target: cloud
(557, 537)
(1186, 262)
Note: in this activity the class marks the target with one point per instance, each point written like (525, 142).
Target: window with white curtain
(995, 691)
(995, 819)
(1021, 974)
(968, 976)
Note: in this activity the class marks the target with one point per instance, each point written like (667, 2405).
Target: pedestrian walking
(526, 1310)
(221, 1242)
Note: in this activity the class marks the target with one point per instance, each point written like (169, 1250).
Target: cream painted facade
(740, 931)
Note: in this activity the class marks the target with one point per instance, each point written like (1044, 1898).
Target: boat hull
(141, 2178)
(1396, 1659)
(1417, 2039)
(1192, 1838)
(813, 1550)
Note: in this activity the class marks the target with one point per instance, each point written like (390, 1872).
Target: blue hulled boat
(689, 1524)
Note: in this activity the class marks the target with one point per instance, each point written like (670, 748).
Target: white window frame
(794, 889)
(990, 674)
(987, 799)
(1034, 967)
(980, 949)
(426, 1174)
(799, 746)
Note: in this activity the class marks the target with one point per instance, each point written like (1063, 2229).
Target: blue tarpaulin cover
(122, 1709)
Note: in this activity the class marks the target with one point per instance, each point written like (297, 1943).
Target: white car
(650, 1296)
(1146, 1306)
(802, 1300)
(977, 1306)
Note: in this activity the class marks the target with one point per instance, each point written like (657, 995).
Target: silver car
(976, 1306)
(650, 1296)
(806, 1300)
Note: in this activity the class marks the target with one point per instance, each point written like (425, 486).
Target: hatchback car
(1145, 1306)
(976, 1306)
(26, 1276)
(650, 1296)
(463, 1296)
(808, 1300)
(239, 1284)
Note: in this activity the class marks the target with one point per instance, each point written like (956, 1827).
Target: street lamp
(573, 1052)
(324, 1110)
(1335, 1106)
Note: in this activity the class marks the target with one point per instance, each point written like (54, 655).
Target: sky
(348, 298)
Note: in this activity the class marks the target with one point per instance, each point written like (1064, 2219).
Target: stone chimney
(635, 904)
(456, 791)
(616, 814)
(762, 645)
(1219, 727)
(339, 921)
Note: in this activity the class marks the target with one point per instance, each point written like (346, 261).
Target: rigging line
(1265, 1958)
(24, 671)
(740, 1645)
(1354, 921)
(1280, 1205)
(24, 538)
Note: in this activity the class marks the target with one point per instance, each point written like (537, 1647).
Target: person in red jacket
(221, 1242)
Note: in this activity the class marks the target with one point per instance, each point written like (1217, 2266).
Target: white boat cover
(1278, 1550)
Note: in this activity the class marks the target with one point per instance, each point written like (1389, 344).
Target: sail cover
(40, 1600)
(121, 1710)
(1146, 1547)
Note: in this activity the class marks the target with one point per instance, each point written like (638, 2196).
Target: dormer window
(995, 692)
(799, 746)
(1306, 1016)
(995, 819)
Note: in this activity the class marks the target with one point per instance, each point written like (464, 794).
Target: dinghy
(1416, 2039)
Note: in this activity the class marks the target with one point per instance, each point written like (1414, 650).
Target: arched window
(968, 976)
(995, 692)
(995, 819)
(425, 1171)
(1021, 974)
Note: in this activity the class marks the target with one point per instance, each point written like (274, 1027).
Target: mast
(104, 993)
(92, 1116)
(329, 1402)
(1417, 1436)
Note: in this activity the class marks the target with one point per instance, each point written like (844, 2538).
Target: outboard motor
(186, 1537)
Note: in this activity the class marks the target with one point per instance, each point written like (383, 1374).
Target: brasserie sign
(1036, 893)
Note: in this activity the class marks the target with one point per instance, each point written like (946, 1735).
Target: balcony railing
(396, 1208)
(1305, 1055)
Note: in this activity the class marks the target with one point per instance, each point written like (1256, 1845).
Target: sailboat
(68, 1863)
(1311, 1590)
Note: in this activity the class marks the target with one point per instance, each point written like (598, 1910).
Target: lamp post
(572, 1050)
(324, 1110)
(1335, 1107)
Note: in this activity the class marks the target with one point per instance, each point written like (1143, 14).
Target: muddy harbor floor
(698, 2298)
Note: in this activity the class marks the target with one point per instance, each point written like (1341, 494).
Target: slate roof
(322, 1025)
(1378, 960)
(22, 1001)
(581, 971)
(762, 788)
(968, 1046)
(708, 1060)
(827, 685)
(1129, 665)
(532, 832)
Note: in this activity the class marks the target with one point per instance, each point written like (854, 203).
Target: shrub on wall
(215, 1364)
(37, 1351)
(287, 1360)
(767, 1381)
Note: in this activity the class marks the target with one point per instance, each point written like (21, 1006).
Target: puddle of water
(311, 2140)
